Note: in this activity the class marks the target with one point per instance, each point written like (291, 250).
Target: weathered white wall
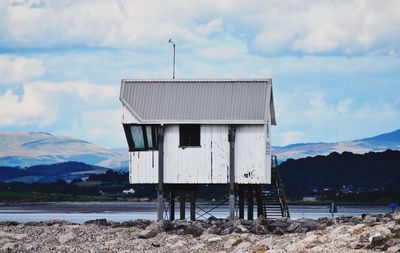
(252, 161)
(208, 164)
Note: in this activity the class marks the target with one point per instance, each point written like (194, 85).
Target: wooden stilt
(171, 205)
(193, 205)
(250, 203)
(259, 201)
(241, 203)
(182, 205)
(160, 193)
(231, 137)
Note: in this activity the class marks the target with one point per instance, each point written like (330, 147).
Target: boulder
(369, 219)
(377, 240)
(9, 223)
(100, 222)
(242, 247)
(292, 227)
(151, 231)
(213, 230)
(141, 223)
(261, 220)
(193, 230)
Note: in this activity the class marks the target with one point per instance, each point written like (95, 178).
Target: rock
(393, 249)
(390, 243)
(9, 223)
(151, 231)
(140, 223)
(214, 239)
(279, 231)
(262, 246)
(377, 240)
(213, 230)
(242, 247)
(64, 238)
(240, 229)
(278, 223)
(166, 225)
(34, 224)
(227, 231)
(396, 216)
(245, 222)
(228, 224)
(100, 222)
(358, 229)
(232, 242)
(58, 222)
(193, 230)
(292, 227)
(369, 219)
(261, 220)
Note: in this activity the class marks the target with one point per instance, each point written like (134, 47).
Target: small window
(141, 137)
(189, 136)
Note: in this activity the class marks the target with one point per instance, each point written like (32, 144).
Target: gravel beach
(370, 233)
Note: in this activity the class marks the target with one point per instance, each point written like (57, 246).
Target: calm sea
(123, 211)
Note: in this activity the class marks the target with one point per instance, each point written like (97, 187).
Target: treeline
(346, 176)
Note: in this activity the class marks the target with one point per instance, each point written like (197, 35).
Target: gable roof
(202, 101)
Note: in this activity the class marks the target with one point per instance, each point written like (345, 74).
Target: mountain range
(377, 143)
(25, 149)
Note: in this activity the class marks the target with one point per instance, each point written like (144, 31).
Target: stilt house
(182, 133)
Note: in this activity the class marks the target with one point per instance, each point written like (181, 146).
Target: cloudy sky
(335, 65)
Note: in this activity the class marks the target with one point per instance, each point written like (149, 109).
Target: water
(81, 212)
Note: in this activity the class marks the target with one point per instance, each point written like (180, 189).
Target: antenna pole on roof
(173, 68)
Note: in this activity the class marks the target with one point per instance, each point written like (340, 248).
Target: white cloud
(17, 70)
(44, 103)
(101, 126)
(223, 53)
(271, 27)
(312, 118)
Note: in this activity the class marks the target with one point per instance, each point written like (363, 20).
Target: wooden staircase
(273, 196)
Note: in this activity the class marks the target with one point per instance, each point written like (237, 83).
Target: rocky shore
(370, 233)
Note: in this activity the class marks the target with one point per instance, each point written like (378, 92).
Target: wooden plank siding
(208, 164)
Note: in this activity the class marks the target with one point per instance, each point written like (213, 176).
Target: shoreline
(371, 233)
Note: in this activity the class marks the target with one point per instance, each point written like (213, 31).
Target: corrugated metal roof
(236, 101)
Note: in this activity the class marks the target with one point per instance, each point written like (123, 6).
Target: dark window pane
(137, 136)
(189, 135)
(149, 137)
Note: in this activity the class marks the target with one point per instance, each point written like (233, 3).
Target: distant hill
(49, 173)
(25, 149)
(377, 143)
(356, 172)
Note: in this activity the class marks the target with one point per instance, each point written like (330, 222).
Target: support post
(171, 205)
(182, 205)
(193, 205)
(250, 203)
(231, 138)
(241, 203)
(160, 190)
(259, 201)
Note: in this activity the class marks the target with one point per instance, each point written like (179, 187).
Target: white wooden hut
(201, 131)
